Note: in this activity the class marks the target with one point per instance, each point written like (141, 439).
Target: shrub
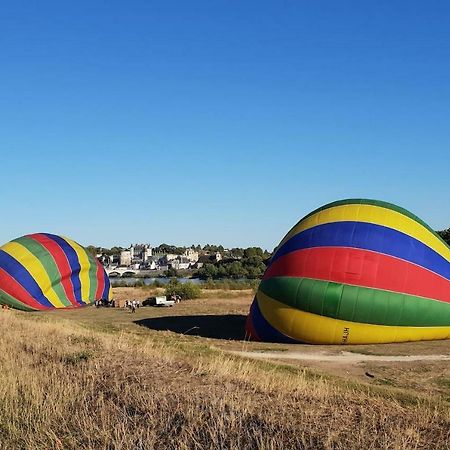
(234, 285)
(171, 272)
(157, 284)
(185, 290)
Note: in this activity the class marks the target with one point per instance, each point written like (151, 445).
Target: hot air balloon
(355, 272)
(45, 271)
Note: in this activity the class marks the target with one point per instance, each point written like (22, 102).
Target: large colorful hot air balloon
(355, 272)
(45, 271)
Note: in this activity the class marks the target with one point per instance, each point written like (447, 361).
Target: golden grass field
(174, 378)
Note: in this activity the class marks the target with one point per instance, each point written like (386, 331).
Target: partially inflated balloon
(45, 271)
(355, 272)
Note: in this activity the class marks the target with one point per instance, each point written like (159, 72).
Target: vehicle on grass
(158, 301)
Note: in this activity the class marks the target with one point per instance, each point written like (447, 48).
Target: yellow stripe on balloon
(315, 329)
(84, 271)
(35, 268)
(376, 215)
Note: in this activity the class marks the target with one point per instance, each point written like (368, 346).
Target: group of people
(175, 297)
(129, 304)
(132, 304)
(105, 302)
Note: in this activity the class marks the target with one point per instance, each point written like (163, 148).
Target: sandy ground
(342, 357)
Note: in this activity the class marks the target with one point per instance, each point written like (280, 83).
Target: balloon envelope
(46, 271)
(354, 272)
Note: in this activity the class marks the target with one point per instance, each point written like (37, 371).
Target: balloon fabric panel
(46, 271)
(355, 271)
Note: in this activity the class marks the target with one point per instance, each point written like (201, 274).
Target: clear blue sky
(218, 121)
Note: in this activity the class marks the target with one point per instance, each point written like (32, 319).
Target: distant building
(164, 260)
(180, 263)
(106, 260)
(191, 254)
(208, 259)
(125, 258)
(137, 254)
(140, 252)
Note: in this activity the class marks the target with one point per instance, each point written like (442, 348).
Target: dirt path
(341, 357)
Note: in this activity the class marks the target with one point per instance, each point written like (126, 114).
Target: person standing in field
(133, 306)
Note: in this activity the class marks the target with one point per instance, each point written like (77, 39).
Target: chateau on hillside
(135, 254)
(141, 256)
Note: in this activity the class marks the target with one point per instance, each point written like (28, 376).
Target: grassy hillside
(67, 383)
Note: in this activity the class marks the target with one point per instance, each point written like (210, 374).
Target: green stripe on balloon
(6, 299)
(47, 261)
(355, 303)
(92, 275)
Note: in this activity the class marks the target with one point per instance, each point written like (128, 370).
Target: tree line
(445, 235)
(245, 263)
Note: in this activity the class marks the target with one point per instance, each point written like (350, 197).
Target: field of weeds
(68, 386)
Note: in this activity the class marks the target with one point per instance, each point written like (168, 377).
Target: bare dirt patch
(342, 357)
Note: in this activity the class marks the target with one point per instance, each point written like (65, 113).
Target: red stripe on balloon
(13, 288)
(100, 281)
(61, 262)
(250, 329)
(361, 268)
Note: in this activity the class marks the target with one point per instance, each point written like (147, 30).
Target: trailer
(158, 301)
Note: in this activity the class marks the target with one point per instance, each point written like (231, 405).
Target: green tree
(252, 252)
(166, 248)
(237, 252)
(236, 270)
(213, 248)
(445, 235)
(185, 290)
(171, 273)
(208, 271)
(92, 250)
(255, 272)
(222, 271)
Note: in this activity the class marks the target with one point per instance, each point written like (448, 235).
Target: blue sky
(218, 121)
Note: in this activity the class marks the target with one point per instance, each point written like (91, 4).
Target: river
(132, 281)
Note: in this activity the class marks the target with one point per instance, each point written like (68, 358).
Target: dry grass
(141, 293)
(67, 387)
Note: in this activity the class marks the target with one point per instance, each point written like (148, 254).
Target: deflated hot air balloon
(355, 272)
(45, 271)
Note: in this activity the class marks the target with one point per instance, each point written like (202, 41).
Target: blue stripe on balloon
(105, 294)
(368, 236)
(73, 262)
(23, 277)
(264, 330)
